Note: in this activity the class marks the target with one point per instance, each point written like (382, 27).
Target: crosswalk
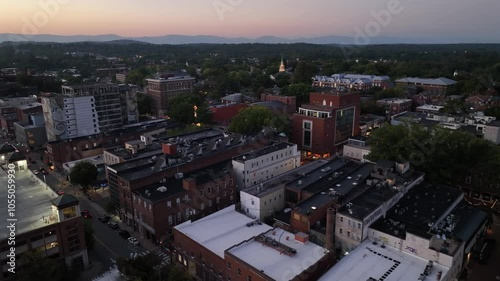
(164, 257)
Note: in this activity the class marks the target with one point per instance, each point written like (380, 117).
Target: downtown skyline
(446, 20)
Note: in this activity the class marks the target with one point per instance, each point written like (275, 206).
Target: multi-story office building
(165, 88)
(257, 166)
(329, 120)
(88, 110)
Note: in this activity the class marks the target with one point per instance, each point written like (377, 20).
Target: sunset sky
(251, 18)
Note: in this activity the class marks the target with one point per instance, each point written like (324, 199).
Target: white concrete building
(372, 261)
(267, 198)
(382, 193)
(69, 117)
(258, 166)
(492, 132)
(357, 149)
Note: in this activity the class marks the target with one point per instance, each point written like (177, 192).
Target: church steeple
(282, 65)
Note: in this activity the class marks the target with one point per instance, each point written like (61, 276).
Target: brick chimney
(189, 184)
(169, 148)
(330, 229)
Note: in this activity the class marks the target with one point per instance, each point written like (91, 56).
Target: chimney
(169, 148)
(330, 219)
(189, 184)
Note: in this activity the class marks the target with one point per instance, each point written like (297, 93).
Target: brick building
(322, 126)
(394, 106)
(161, 206)
(224, 113)
(163, 89)
(54, 229)
(183, 154)
(431, 85)
(227, 245)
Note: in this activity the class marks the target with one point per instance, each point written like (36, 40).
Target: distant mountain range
(209, 39)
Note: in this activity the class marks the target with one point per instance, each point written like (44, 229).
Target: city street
(491, 270)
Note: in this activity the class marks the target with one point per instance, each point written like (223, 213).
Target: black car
(104, 218)
(123, 233)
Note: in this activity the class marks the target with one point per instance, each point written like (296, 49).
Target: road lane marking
(102, 243)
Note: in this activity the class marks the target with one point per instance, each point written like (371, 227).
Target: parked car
(43, 171)
(113, 225)
(60, 191)
(86, 214)
(36, 172)
(123, 233)
(133, 241)
(104, 218)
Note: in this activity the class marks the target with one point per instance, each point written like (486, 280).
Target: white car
(133, 241)
(35, 172)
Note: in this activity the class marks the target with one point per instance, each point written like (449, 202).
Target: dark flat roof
(315, 175)
(421, 206)
(174, 186)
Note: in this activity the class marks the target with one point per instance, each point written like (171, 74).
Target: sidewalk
(146, 244)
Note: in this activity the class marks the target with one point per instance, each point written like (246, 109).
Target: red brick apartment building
(228, 245)
(161, 206)
(62, 151)
(181, 155)
(430, 85)
(323, 125)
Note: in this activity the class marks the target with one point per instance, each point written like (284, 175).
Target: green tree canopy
(444, 155)
(301, 91)
(304, 72)
(493, 111)
(253, 119)
(84, 174)
(140, 268)
(182, 109)
(88, 231)
(145, 104)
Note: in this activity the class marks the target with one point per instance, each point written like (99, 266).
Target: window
(359, 225)
(340, 230)
(170, 219)
(341, 219)
(348, 234)
(228, 265)
(209, 189)
(249, 278)
(179, 216)
(169, 204)
(202, 206)
(239, 272)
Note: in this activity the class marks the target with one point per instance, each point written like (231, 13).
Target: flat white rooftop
(96, 160)
(388, 264)
(33, 208)
(222, 230)
(274, 263)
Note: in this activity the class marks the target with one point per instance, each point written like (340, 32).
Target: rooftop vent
(162, 189)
